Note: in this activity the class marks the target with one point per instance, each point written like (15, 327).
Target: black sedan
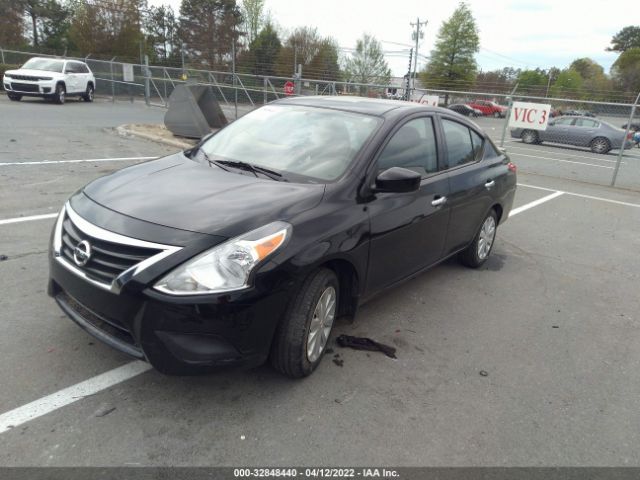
(250, 245)
(465, 110)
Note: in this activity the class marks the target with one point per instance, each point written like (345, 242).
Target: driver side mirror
(397, 180)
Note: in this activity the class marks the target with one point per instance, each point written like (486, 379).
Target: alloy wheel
(321, 323)
(487, 236)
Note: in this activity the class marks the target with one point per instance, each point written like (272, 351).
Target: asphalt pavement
(530, 360)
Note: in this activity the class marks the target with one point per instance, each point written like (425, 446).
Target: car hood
(178, 192)
(32, 73)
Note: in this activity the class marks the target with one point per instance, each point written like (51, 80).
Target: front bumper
(176, 335)
(29, 88)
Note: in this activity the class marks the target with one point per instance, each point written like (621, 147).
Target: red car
(489, 108)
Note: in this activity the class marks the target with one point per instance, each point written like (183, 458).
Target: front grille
(25, 77)
(107, 259)
(118, 333)
(24, 87)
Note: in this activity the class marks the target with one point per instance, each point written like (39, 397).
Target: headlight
(226, 267)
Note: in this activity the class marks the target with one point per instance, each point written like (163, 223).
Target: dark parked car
(597, 135)
(580, 113)
(465, 110)
(634, 127)
(249, 245)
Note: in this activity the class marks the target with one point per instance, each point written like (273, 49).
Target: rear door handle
(439, 201)
(490, 183)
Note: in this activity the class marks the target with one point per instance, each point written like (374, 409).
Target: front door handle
(437, 202)
(490, 183)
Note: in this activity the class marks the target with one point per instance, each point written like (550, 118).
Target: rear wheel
(303, 333)
(529, 136)
(478, 252)
(88, 96)
(600, 145)
(60, 94)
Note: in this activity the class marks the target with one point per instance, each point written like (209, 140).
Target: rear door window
(463, 144)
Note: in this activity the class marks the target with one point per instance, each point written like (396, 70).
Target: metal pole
(265, 86)
(624, 141)
(2, 53)
(548, 84)
(113, 83)
(147, 88)
(507, 116)
(233, 66)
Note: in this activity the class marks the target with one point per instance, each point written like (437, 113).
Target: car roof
(369, 106)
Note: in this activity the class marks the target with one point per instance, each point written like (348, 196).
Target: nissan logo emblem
(82, 253)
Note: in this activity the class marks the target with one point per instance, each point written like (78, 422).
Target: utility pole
(407, 86)
(417, 35)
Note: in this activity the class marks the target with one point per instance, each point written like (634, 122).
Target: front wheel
(478, 252)
(59, 95)
(496, 114)
(600, 145)
(88, 95)
(304, 331)
(14, 97)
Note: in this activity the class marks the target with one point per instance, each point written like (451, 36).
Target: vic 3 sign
(534, 116)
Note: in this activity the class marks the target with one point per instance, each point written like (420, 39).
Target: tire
(496, 114)
(478, 252)
(600, 145)
(14, 97)
(294, 352)
(88, 96)
(529, 137)
(60, 94)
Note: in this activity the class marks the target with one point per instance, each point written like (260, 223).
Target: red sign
(289, 88)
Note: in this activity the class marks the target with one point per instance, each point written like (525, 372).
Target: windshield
(315, 143)
(46, 64)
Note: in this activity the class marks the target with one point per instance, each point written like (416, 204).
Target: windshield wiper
(255, 169)
(212, 162)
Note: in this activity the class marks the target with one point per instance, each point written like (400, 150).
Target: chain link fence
(585, 139)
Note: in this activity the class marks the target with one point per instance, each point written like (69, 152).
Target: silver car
(581, 131)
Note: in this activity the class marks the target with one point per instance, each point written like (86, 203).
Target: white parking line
(581, 195)
(61, 398)
(52, 162)
(533, 149)
(512, 154)
(535, 203)
(7, 221)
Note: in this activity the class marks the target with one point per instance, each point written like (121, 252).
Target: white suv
(50, 78)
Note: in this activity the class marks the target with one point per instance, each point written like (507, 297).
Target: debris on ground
(484, 373)
(3, 258)
(363, 343)
(339, 362)
(104, 410)
(328, 351)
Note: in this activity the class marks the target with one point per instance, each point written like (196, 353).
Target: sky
(513, 33)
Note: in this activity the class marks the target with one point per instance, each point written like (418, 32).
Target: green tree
(300, 47)
(11, 21)
(532, 81)
(55, 19)
(208, 29)
(628, 37)
(367, 64)
(109, 28)
(626, 70)
(260, 58)
(567, 85)
(452, 62)
(161, 27)
(325, 64)
(253, 18)
(596, 84)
